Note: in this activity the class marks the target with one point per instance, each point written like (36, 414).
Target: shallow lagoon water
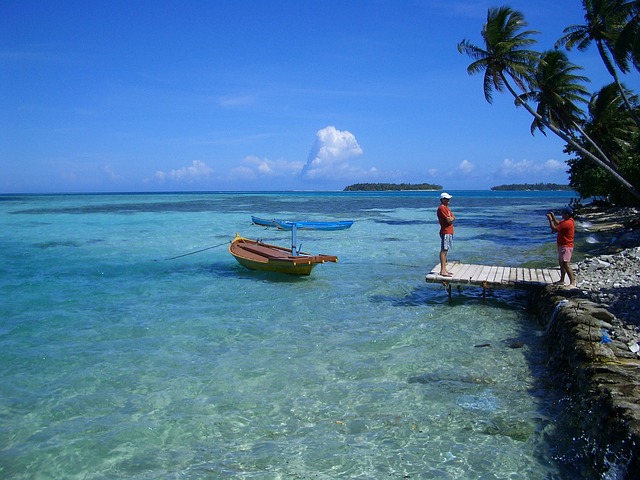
(118, 363)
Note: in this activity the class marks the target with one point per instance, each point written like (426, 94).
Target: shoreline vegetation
(398, 187)
(537, 187)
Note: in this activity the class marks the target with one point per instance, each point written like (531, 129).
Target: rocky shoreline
(613, 281)
(611, 278)
(593, 335)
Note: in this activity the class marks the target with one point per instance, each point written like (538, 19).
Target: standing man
(566, 232)
(445, 218)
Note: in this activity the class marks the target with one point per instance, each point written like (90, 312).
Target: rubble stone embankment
(594, 339)
(613, 281)
(600, 368)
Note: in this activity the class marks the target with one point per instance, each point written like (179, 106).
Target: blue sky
(111, 96)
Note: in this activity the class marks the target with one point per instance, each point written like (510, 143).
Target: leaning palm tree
(627, 47)
(557, 91)
(605, 19)
(610, 123)
(506, 56)
(506, 52)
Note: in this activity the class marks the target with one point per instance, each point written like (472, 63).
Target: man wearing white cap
(446, 218)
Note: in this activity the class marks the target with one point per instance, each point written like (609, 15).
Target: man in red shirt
(566, 232)
(445, 218)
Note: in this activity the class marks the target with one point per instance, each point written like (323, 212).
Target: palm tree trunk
(603, 163)
(593, 144)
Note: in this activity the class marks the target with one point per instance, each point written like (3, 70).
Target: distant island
(533, 187)
(383, 187)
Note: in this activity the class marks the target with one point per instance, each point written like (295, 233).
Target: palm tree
(557, 90)
(627, 46)
(505, 57)
(506, 52)
(605, 19)
(610, 123)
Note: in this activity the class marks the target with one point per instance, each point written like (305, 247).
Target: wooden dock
(487, 276)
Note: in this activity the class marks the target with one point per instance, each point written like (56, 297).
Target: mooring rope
(197, 251)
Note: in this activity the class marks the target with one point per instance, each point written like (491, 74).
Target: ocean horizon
(277, 191)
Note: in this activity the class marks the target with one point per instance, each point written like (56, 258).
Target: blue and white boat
(311, 225)
(263, 222)
(303, 225)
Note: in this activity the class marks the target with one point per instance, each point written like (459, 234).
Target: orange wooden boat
(257, 255)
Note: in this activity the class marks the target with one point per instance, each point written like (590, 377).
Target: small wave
(584, 225)
(483, 402)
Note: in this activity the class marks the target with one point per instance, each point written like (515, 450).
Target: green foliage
(612, 127)
(505, 51)
(540, 187)
(551, 90)
(558, 91)
(614, 120)
(589, 180)
(627, 45)
(383, 187)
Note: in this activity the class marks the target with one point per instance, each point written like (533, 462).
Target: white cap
(445, 195)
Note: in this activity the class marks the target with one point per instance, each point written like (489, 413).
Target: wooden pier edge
(490, 276)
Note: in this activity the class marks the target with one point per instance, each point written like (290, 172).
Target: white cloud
(330, 154)
(510, 168)
(198, 169)
(465, 167)
(433, 172)
(253, 167)
(111, 173)
(242, 173)
(555, 166)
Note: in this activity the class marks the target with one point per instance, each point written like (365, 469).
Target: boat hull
(302, 225)
(339, 225)
(256, 255)
(263, 222)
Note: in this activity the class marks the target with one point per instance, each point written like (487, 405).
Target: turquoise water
(118, 363)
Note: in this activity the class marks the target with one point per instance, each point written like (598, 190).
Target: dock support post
(484, 291)
(447, 287)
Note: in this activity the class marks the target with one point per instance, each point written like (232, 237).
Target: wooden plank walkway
(488, 276)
